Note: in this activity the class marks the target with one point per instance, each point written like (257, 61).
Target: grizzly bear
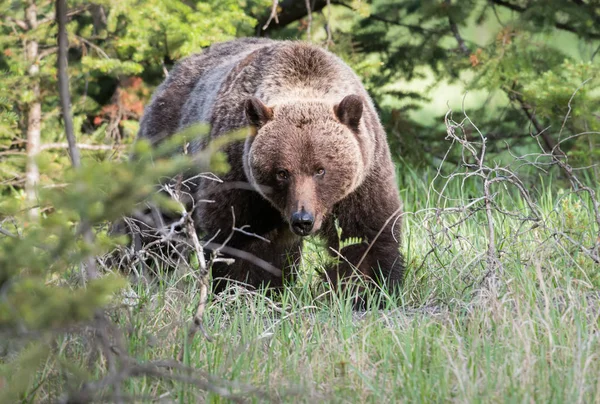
(315, 160)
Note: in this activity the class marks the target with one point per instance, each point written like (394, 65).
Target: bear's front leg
(376, 257)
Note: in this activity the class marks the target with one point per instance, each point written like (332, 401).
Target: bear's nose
(302, 222)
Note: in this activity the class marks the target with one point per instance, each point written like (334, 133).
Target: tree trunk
(34, 115)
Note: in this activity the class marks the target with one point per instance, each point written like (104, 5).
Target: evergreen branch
(557, 24)
(549, 143)
(379, 18)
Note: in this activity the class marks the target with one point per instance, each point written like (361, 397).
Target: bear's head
(304, 156)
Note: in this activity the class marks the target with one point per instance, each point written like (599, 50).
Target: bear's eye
(320, 172)
(282, 175)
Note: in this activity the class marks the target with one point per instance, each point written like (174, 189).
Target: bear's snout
(302, 222)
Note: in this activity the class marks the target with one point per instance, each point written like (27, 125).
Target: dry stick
(560, 159)
(84, 146)
(454, 28)
(246, 256)
(493, 262)
(492, 257)
(198, 321)
(491, 175)
(309, 11)
(190, 229)
(551, 145)
(250, 234)
(65, 102)
(273, 15)
(389, 219)
(8, 233)
(329, 39)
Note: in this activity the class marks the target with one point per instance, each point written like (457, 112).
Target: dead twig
(309, 13)
(82, 146)
(204, 285)
(272, 16)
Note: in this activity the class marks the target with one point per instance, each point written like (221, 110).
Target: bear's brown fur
(315, 153)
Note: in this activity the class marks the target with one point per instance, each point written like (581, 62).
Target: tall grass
(535, 339)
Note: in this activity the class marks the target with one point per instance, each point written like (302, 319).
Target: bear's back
(162, 116)
(211, 87)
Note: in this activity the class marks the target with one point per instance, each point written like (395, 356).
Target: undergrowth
(445, 338)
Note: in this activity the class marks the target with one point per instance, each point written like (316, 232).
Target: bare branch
(548, 141)
(70, 13)
(259, 262)
(83, 146)
(7, 233)
(272, 16)
(19, 23)
(454, 28)
(329, 39)
(309, 13)
(47, 52)
(250, 234)
(290, 11)
(94, 46)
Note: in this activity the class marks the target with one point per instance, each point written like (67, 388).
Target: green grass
(534, 339)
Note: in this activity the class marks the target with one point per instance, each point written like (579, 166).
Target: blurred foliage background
(503, 61)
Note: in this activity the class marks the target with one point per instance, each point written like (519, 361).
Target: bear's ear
(257, 113)
(349, 111)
